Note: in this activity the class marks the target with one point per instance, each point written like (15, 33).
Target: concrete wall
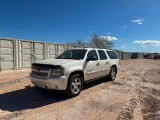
(17, 54)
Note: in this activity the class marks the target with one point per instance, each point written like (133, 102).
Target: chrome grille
(41, 74)
(42, 70)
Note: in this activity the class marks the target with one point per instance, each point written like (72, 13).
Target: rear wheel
(75, 85)
(112, 75)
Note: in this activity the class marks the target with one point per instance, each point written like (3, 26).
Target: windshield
(77, 54)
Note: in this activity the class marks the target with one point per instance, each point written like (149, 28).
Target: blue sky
(133, 25)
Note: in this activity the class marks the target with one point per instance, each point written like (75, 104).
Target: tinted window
(102, 55)
(92, 53)
(72, 54)
(112, 55)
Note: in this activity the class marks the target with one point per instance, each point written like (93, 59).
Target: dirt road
(135, 94)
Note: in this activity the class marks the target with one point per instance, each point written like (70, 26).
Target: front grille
(42, 70)
(40, 74)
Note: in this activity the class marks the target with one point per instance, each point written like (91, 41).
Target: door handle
(97, 64)
(106, 62)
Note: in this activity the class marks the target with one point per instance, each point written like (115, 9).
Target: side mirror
(90, 58)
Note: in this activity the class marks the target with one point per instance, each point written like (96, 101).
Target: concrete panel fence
(17, 54)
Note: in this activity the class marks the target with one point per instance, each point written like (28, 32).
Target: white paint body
(91, 70)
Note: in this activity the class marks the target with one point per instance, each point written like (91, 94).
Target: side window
(112, 55)
(92, 53)
(102, 55)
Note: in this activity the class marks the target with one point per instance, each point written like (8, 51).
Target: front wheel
(112, 74)
(75, 85)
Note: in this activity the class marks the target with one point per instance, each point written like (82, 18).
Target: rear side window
(102, 55)
(112, 55)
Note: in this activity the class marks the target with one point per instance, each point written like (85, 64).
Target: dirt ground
(134, 95)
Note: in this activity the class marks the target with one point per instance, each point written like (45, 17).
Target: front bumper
(56, 83)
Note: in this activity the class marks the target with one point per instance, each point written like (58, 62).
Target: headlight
(57, 72)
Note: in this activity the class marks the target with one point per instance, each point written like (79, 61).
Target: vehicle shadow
(29, 98)
(33, 97)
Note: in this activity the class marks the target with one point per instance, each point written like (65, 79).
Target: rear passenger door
(104, 63)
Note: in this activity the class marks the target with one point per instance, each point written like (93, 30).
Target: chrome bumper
(56, 83)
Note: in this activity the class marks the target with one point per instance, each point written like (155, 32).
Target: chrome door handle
(97, 64)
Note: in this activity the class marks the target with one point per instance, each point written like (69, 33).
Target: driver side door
(93, 68)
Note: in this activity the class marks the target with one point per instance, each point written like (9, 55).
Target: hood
(55, 61)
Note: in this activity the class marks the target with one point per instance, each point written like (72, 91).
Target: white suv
(74, 67)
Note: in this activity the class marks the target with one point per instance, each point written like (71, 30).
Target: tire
(75, 85)
(112, 74)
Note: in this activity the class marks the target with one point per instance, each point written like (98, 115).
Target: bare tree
(95, 42)
(78, 42)
(98, 42)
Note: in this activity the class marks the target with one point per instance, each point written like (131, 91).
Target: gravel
(135, 94)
